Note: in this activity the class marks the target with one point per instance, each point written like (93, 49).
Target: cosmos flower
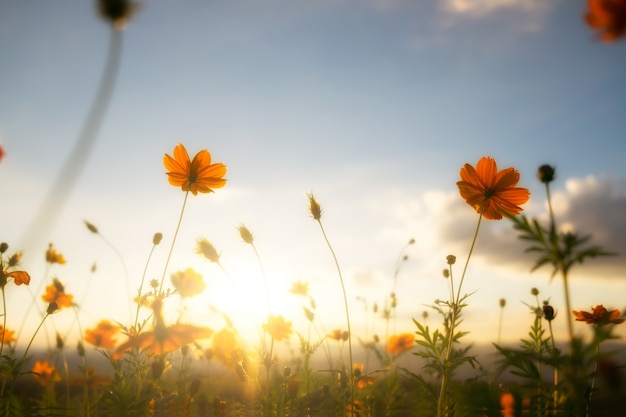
(299, 288)
(56, 293)
(45, 373)
(6, 335)
(492, 193)
(277, 327)
(338, 334)
(608, 17)
(103, 335)
(225, 347)
(54, 257)
(196, 176)
(162, 338)
(188, 283)
(398, 343)
(599, 316)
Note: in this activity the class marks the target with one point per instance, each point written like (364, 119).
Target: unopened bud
(52, 307)
(91, 227)
(314, 208)
(502, 302)
(3, 247)
(245, 234)
(450, 259)
(80, 349)
(548, 312)
(156, 239)
(546, 174)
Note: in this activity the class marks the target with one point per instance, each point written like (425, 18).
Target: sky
(372, 105)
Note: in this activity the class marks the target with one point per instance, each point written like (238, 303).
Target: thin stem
(4, 319)
(267, 288)
(74, 164)
(593, 381)
(121, 258)
(143, 279)
(169, 255)
(345, 302)
(455, 312)
(21, 362)
(570, 325)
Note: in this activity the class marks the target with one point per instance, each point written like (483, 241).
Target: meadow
(162, 362)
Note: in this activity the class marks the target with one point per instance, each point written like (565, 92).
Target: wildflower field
(164, 361)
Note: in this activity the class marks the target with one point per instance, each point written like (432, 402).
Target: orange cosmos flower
(277, 327)
(54, 257)
(103, 335)
(199, 175)
(188, 283)
(608, 17)
(399, 343)
(6, 335)
(162, 338)
(599, 316)
(491, 192)
(56, 293)
(45, 373)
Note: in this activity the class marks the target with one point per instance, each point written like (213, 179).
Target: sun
(244, 299)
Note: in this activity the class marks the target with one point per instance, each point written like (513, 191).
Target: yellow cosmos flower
(400, 342)
(492, 193)
(197, 175)
(188, 283)
(54, 257)
(56, 293)
(103, 335)
(300, 288)
(225, 347)
(277, 327)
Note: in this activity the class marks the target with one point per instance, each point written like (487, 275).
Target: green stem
(143, 279)
(75, 163)
(570, 325)
(455, 311)
(169, 255)
(4, 319)
(345, 303)
(593, 381)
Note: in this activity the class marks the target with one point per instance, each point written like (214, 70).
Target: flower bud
(314, 208)
(15, 259)
(534, 291)
(546, 174)
(3, 247)
(80, 349)
(446, 273)
(156, 239)
(450, 259)
(91, 227)
(502, 302)
(548, 312)
(60, 341)
(52, 307)
(246, 234)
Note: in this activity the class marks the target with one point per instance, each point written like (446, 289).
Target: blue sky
(373, 105)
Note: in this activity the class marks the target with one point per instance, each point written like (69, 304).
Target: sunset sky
(372, 105)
